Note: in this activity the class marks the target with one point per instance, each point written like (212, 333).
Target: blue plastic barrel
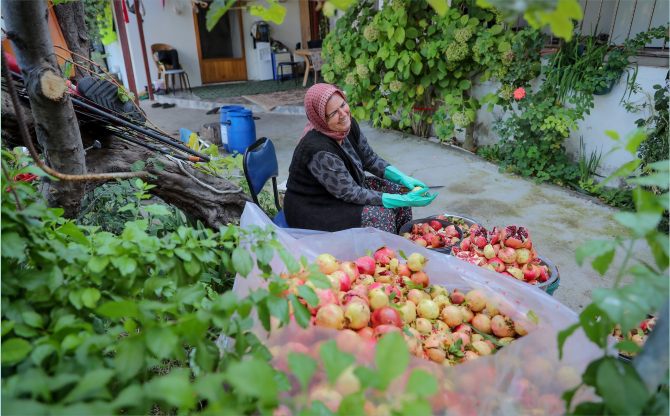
(224, 127)
(241, 132)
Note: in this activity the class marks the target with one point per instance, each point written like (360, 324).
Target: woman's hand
(418, 198)
(397, 177)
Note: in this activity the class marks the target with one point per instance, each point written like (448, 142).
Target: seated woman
(327, 188)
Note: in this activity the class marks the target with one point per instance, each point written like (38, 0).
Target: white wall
(162, 25)
(608, 114)
(287, 33)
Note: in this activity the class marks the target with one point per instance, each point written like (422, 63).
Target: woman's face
(338, 115)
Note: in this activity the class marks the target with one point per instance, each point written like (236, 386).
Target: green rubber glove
(397, 177)
(410, 199)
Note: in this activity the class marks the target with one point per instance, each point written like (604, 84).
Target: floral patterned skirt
(387, 219)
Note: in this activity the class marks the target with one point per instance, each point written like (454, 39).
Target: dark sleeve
(330, 171)
(371, 161)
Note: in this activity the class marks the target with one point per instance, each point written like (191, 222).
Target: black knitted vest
(307, 203)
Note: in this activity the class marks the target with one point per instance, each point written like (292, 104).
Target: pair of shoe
(166, 105)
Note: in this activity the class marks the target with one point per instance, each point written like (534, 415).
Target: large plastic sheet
(525, 377)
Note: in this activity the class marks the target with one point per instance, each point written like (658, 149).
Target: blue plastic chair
(260, 164)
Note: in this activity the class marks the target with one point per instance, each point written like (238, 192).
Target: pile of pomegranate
(377, 295)
(509, 252)
(433, 235)
(637, 335)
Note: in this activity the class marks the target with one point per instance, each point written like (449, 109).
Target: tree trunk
(55, 122)
(172, 185)
(70, 17)
(469, 142)
(422, 128)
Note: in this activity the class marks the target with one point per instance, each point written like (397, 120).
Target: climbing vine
(406, 57)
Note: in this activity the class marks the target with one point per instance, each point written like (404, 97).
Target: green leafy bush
(619, 385)
(92, 321)
(407, 55)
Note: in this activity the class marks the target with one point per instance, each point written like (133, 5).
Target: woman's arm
(371, 161)
(330, 171)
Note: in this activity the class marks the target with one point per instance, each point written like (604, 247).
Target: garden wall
(608, 114)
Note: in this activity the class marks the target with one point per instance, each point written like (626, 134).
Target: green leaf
(411, 33)
(659, 247)
(119, 309)
(217, 9)
(300, 311)
(335, 361)
(275, 13)
(67, 69)
(625, 170)
(90, 297)
(129, 358)
(464, 84)
(620, 387)
(391, 348)
(97, 263)
(288, 259)
(399, 35)
(421, 383)
(14, 350)
(464, 19)
(303, 367)
(659, 179)
(157, 210)
(33, 319)
(533, 317)
(634, 139)
(126, 265)
(319, 279)
(71, 230)
(161, 341)
(641, 223)
(137, 166)
(174, 388)
(7, 326)
(417, 67)
(628, 346)
(367, 376)
(352, 404)
(440, 6)
(253, 378)
(91, 384)
(420, 406)
(13, 246)
(595, 248)
(563, 336)
(504, 46)
(278, 307)
(496, 29)
(630, 304)
(309, 295)
(242, 261)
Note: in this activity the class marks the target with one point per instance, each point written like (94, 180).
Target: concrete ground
(559, 220)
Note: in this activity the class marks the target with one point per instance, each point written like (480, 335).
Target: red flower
(519, 93)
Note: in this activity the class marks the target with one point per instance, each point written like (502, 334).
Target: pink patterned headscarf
(315, 106)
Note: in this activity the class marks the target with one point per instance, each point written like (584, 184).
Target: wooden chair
(167, 70)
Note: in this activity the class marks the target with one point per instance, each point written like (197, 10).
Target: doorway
(318, 22)
(221, 50)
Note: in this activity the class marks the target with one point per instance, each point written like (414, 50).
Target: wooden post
(144, 49)
(305, 27)
(123, 37)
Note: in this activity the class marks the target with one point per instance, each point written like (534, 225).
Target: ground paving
(559, 219)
